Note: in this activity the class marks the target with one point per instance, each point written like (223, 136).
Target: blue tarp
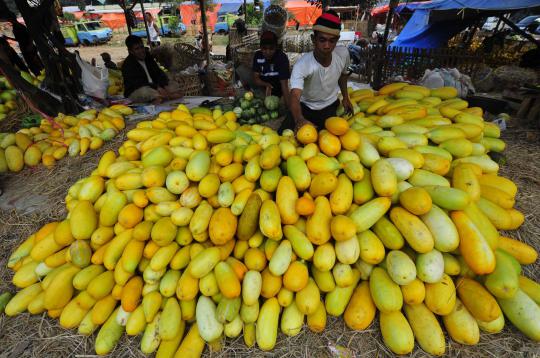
(229, 8)
(422, 31)
(232, 6)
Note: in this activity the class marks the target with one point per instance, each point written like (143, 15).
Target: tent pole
(497, 26)
(206, 48)
(519, 31)
(389, 16)
(145, 23)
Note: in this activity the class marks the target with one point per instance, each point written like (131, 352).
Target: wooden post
(519, 31)
(145, 23)
(378, 74)
(129, 27)
(206, 48)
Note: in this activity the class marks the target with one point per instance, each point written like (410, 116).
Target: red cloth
(191, 15)
(305, 13)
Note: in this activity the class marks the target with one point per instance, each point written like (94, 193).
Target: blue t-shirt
(272, 71)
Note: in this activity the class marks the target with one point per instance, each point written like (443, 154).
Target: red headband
(331, 17)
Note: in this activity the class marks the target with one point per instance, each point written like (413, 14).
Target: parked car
(490, 24)
(530, 23)
(224, 23)
(86, 33)
(163, 22)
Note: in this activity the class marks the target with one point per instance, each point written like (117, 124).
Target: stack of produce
(52, 140)
(252, 110)
(204, 226)
(7, 98)
(116, 83)
(8, 95)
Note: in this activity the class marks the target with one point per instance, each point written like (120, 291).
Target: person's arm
(157, 28)
(342, 82)
(255, 68)
(284, 70)
(297, 87)
(162, 79)
(258, 82)
(296, 108)
(285, 90)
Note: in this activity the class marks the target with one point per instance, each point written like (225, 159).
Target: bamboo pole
(206, 48)
(389, 16)
(145, 24)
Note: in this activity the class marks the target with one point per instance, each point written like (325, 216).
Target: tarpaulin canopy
(114, 20)
(384, 8)
(191, 14)
(434, 23)
(303, 12)
(153, 11)
(229, 8)
(232, 6)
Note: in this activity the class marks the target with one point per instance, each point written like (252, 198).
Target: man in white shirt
(153, 30)
(318, 76)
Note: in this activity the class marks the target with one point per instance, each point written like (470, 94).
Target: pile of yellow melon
(7, 98)
(53, 139)
(116, 83)
(203, 226)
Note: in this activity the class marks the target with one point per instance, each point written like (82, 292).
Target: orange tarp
(114, 20)
(305, 13)
(192, 16)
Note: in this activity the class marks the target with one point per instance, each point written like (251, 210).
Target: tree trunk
(62, 73)
(205, 46)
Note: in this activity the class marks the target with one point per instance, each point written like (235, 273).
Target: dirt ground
(40, 336)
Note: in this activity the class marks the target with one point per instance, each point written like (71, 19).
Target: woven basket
(12, 122)
(189, 84)
(186, 56)
(274, 123)
(219, 87)
(244, 56)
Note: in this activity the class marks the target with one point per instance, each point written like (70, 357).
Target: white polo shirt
(319, 84)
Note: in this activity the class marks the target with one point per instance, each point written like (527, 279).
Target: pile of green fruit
(251, 110)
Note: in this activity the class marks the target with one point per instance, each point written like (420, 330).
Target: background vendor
(318, 76)
(144, 81)
(271, 68)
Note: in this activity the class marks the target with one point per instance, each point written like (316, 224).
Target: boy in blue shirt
(271, 68)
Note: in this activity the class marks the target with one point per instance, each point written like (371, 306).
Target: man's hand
(347, 105)
(301, 122)
(268, 89)
(162, 91)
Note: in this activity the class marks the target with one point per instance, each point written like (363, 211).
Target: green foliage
(173, 23)
(68, 16)
(254, 17)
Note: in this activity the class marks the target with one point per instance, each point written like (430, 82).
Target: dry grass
(39, 336)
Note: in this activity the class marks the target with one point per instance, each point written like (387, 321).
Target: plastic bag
(95, 80)
(448, 77)
(432, 79)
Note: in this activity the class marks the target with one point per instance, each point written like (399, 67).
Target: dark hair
(332, 12)
(133, 40)
(315, 33)
(268, 38)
